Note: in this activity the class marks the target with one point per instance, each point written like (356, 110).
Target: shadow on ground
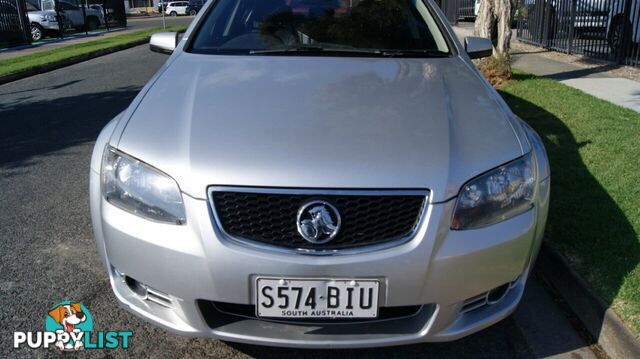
(585, 72)
(480, 345)
(31, 128)
(585, 222)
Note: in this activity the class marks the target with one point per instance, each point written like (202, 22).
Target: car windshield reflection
(367, 27)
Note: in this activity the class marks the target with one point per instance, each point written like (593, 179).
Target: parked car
(110, 12)
(617, 22)
(323, 180)
(162, 5)
(44, 22)
(194, 6)
(590, 16)
(75, 16)
(176, 8)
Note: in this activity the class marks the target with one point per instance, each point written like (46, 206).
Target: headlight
(51, 17)
(497, 195)
(140, 189)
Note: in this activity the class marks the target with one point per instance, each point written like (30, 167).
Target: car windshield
(316, 27)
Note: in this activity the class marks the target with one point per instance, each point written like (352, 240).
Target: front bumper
(50, 25)
(438, 270)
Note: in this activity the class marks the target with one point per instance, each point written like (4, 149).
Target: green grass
(594, 150)
(49, 57)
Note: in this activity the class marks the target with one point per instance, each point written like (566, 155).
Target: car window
(48, 5)
(244, 26)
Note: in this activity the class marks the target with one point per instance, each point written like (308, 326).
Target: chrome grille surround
(423, 194)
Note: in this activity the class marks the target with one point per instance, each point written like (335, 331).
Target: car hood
(320, 122)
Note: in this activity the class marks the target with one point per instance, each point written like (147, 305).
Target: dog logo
(68, 315)
(318, 222)
(72, 318)
(69, 326)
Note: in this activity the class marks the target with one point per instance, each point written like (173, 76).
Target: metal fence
(113, 11)
(603, 29)
(57, 18)
(14, 24)
(466, 9)
(87, 15)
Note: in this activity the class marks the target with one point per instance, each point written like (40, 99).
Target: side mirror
(478, 47)
(163, 42)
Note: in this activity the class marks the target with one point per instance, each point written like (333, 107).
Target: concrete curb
(68, 62)
(605, 327)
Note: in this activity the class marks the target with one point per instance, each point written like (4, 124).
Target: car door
(182, 8)
(73, 13)
(170, 6)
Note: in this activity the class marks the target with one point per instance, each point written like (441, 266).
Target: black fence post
(24, 20)
(572, 20)
(518, 19)
(105, 13)
(546, 24)
(84, 17)
(56, 8)
(625, 36)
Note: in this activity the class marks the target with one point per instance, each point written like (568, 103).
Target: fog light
(496, 294)
(146, 293)
(488, 298)
(136, 287)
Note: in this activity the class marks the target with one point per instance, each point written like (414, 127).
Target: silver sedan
(319, 173)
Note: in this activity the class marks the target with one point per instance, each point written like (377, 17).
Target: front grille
(270, 218)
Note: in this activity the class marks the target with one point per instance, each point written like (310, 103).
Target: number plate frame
(322, 283)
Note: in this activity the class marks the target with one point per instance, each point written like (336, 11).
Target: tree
(494, 22)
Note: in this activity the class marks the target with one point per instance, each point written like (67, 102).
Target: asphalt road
(47, 127)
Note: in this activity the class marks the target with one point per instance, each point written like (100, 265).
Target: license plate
(316, 298)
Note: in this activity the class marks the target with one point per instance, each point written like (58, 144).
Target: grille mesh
(271, 218)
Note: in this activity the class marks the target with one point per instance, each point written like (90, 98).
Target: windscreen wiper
(414, 53)
(315, 49)
(311, 49)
